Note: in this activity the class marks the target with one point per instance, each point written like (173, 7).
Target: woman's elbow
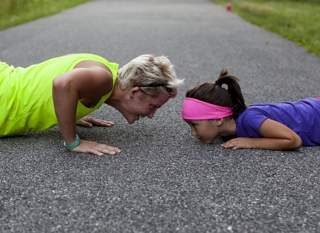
(60, 85)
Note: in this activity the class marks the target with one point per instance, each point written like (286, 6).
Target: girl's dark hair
(215, 93)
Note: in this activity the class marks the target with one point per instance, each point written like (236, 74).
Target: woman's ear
(133, 91)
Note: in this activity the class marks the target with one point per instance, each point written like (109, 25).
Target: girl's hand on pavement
(96, 148)
(89, 121)
(238, 143)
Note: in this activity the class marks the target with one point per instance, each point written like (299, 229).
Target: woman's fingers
(84, 123)
(89, 121)
(96, 148)
(99, 122)
(106, 149)
(95, 152)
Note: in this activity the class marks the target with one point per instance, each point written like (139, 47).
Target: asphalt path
(164, 180)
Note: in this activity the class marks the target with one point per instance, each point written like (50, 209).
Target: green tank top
(26, 103)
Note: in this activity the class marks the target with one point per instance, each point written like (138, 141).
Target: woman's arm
(275, 136)
(87, 85)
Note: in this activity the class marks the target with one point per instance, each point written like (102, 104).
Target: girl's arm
(87, 85)
(275, 136)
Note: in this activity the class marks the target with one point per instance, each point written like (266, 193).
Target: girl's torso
(302, 116)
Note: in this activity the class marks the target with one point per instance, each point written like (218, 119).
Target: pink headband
(194, 109)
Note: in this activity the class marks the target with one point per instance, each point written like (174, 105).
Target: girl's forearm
(263, 143)
(273, 143)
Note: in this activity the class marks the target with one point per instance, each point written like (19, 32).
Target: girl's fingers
(228, 145)
(231, 146)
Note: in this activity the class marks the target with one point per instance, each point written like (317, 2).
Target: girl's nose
(194, 133)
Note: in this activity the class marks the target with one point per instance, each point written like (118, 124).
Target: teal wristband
(73, 145)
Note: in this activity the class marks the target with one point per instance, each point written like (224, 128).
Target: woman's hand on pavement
(96, 148)
(89, 121)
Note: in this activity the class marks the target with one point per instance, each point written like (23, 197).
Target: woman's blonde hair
(153, 74)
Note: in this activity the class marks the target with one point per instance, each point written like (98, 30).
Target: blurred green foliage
(297, 20)
(13, 12)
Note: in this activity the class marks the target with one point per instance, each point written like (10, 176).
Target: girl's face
(205, 130)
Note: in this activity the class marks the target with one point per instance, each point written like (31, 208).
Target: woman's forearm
(65, 103)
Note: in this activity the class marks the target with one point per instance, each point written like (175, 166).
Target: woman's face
(205, 130)
(140, 105)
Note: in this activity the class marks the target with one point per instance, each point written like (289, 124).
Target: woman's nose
(151, 115)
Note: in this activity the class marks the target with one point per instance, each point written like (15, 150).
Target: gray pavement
(164, 180)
